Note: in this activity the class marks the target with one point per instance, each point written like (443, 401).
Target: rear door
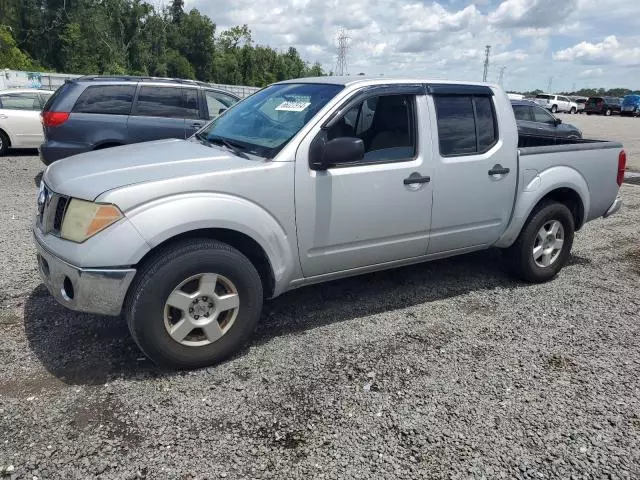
(475, 168)
(162, 111)
(20, 118)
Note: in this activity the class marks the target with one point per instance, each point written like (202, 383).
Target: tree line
(132, 37)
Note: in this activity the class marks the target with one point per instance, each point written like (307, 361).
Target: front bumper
(92, 290)
(614, 208)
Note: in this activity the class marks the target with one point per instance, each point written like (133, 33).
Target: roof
(523, 102)
(371, 80)
(132, 78)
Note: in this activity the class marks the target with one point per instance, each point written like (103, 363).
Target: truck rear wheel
(544, 244)
(194, 304)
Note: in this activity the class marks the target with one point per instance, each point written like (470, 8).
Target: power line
(501, 77)
(487, 52)
(343, 50)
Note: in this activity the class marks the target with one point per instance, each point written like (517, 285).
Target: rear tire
(572, 111)
(554, 109)
(174, 292)
(607, 112)
(524, 258)
(4, 143)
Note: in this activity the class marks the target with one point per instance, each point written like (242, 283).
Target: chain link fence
(51, 81)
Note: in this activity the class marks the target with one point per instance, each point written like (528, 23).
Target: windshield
(263, 123)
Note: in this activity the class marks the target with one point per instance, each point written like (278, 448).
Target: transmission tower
(487, 51)
(343, 50)
(549, 84)
(501, 77)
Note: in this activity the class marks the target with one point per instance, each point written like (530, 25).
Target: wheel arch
(6, 134)
(562, 184)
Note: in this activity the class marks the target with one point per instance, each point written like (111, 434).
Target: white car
(20, 125)
(556, 103)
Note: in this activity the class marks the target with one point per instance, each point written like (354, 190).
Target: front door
(476, 170)
(376, 210)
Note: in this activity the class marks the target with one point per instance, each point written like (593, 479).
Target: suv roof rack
(133, 78)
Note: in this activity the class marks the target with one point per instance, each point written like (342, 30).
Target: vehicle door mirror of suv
(341, 150)
(223, 109)
(557, 121)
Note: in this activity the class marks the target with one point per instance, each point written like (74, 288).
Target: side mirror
(557, 121)
(323, 154)
(221, 110)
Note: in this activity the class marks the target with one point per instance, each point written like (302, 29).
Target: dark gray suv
(91, 113)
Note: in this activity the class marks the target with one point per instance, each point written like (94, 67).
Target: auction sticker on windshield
(293, 106)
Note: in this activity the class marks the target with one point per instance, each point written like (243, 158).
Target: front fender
(165, 218)
(536, 189)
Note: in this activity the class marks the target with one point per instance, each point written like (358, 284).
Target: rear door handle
(498, 170)
(416, 179)
(3, 117)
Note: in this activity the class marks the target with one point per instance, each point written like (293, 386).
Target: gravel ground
(444, 370)
(622, 129)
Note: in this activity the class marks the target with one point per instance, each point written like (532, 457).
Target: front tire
(194, 304)
(544, 244)
(607, 112)
(4, 143)
(572, 111)
(554, 109)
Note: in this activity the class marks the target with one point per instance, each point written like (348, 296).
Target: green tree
(11, 56)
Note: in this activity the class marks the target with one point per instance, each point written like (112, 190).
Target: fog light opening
(67, 289)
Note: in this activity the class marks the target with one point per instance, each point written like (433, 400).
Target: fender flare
(168, 217)
(541, 185)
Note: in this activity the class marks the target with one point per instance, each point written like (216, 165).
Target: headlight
(83, 220)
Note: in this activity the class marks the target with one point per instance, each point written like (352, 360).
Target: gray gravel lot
(444, 370)
(622, 129)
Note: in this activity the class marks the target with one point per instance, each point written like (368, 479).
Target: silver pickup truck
(303, 182)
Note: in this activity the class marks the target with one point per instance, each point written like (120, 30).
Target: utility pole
(501, 77)
(343, 49)
(573, 88)
(549, 83)
(487, 52)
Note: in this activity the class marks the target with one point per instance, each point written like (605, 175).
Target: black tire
(607, 112)
(554, 109)
(4, 143)
(145, 306)
(519, 257)
(572, 111)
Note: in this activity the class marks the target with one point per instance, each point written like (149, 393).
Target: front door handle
(3, 117)
(498, 170)
(416, 179)
(197, 125)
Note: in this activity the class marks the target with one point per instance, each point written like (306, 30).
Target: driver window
(384, 123)
(540, 115)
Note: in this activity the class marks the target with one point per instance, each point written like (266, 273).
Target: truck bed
(525, 141)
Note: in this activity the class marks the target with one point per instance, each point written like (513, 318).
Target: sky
(570, 43)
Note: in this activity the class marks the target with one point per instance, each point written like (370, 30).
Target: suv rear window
(466, 124)
(61, 89)
(546, 97)
(167, 102)
(106, 99)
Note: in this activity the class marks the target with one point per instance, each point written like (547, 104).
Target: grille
(60, 210)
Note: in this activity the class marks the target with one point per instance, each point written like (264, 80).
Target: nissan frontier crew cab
(303, 182)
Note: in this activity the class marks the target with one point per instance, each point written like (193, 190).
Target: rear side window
(167, 102)
(466, 124)
(20, 101)
(106, 99)
(521, 112)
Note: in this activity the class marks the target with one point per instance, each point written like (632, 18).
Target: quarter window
(466, 124)
(385, 124)
(106, 100)
(167, 102)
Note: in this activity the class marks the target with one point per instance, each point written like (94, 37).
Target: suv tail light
(622, 165)
(54, 119)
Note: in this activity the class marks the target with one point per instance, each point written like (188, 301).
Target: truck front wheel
(544, 244)
(194, 304)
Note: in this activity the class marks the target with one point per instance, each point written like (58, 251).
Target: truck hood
(90, 174)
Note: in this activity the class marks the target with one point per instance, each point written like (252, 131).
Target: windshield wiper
(231, 146)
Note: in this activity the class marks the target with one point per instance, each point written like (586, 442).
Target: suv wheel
(607, 112)
(554, 109)
(544, 244)
(573, 111)
(4, 143)
(194, 304)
